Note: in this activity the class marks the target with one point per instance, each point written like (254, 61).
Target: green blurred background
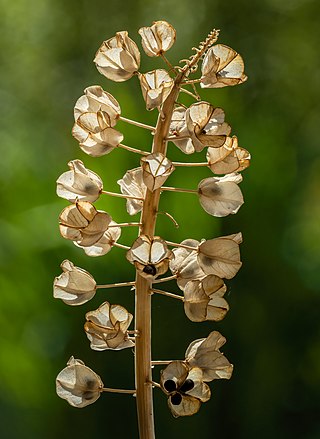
(47, 47)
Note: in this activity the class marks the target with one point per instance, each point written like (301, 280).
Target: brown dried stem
(143, 371)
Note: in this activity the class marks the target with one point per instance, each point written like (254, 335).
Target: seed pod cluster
(199, 268)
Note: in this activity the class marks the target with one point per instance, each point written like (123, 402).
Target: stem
(143, 371)
(160, 362)
(124, 225)
(125, 247)
(190, 164)
(188, 247)
(129, 148)
(172, 138)
(115, 194)
(138, 124)
(165, 59)
(119, 284)
(170, 217)
(192, 81)
(176, 189)
(165, 279)
(107, 389)
(190, 93)
(165, 293)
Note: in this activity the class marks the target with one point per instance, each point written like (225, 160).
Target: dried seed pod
(95, 114)
(79, 183)
(221, 256)
(203, 299)
(185, 263)
(185, 388)
(105, 243)
(95, 100)
(178, 128)
(74, 286)
(221, 196)
(118, 58)
(78, 384)
(205, 354)
(83, 223)
(106, 327)
(132, 184)
(228, 158)
(156, 87)
(206, 125)
(222, 66)
(156, 168)
(157, 38)
(150, 256)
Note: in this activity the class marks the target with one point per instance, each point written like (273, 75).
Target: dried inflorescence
(199, 267)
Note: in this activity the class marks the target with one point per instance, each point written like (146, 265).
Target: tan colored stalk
(143, 372)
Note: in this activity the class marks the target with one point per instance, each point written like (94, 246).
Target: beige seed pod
(222, 66)
(228, 158)
(206, 125)
(156, 168)
(205, 354)
(79, 183)
(78, 384)
(203, 300)
(105, 243)
(185, 388)
(106, 327)
(95, 100)
(221, 196)
(132, 184)
(221, 256)
(156, 87)
(74, 286)
(157, 38)
(185, 264)
(83, 223)
(150, 256)
(118, 58)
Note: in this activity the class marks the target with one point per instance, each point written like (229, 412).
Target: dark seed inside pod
(150, 269)
(203, 132)
(170, 385)
(187, 385)
(176, 399)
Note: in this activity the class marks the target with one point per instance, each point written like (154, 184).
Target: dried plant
(199, 268)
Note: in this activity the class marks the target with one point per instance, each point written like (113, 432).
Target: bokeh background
(273, 326)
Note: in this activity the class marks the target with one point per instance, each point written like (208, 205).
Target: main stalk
(143, 372)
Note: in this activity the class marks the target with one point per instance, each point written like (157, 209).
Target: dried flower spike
(198, 267)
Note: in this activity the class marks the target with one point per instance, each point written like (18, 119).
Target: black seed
(150, 269)
(170, 385)
(176, 399)
(187, 385)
